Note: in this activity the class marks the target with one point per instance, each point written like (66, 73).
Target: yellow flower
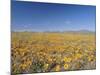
(23, 66)
(77, 56)
(66, 66)
(67, 59)
(90, 58)
(46, 66)
(57, 68)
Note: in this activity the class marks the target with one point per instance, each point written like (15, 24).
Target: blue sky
(35, 16)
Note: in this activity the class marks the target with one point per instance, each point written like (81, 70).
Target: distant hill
(86, 31)
(80, 32)
(74, 32)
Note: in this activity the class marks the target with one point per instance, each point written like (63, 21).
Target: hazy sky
(34, 16)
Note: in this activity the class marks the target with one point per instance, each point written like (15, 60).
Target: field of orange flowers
(35, 52)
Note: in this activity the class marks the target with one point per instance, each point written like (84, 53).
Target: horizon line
(54, 31)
